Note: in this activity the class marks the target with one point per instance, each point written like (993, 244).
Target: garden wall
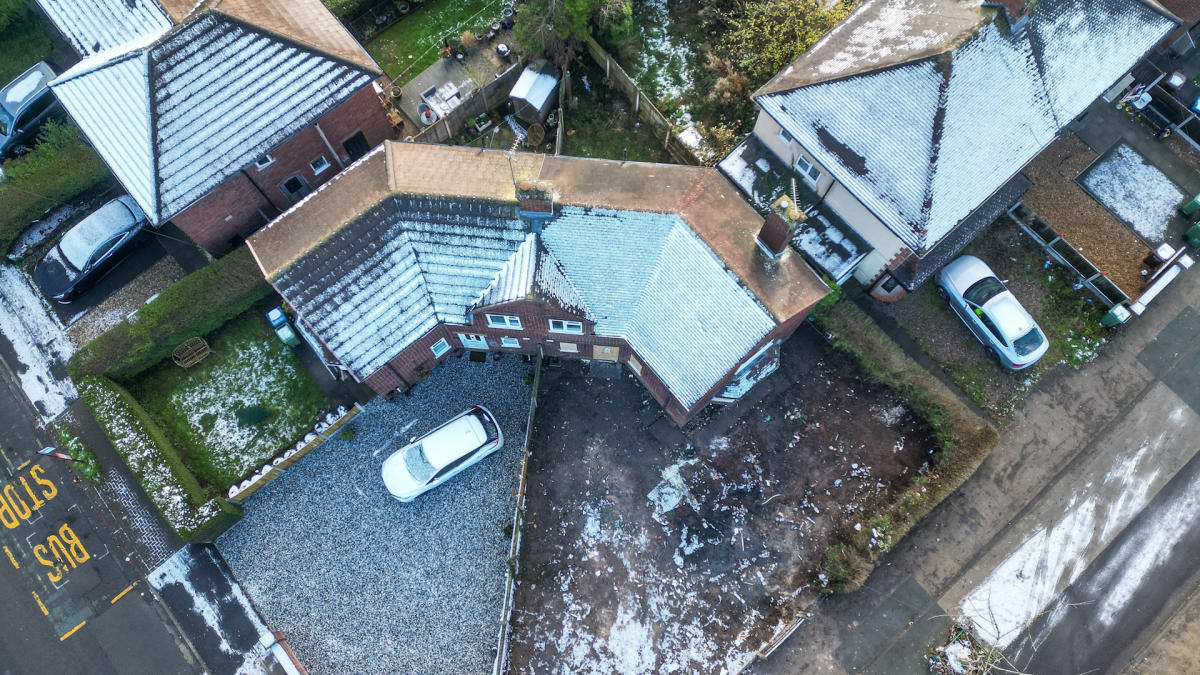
(491, 96)
(658, 123)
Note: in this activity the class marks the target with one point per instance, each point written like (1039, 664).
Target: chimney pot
(779, 226)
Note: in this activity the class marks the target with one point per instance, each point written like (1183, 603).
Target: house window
(561, 326)
(504, 321)
(356, 146)
(295, 188)
(319, 165)
(439, 348)
(806, 168)
(263, 162)
(510, 342)
(785, 137)
(635, 365)
(568, 347)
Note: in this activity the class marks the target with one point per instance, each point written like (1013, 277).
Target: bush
(11, 11)
(963, 438)
(196, 305)
(57, 169)
(85, 460)
(349, 9)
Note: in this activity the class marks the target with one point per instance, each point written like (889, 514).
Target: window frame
(503, 321)
(260, 165)
(568, 347)
(442, 342)
(506, 340)
(313, 165)
(807, 169)
(566, 328)
(785, 137)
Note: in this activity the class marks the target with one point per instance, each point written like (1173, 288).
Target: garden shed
(534, 94)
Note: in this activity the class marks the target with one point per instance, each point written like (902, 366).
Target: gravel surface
(361, 583)
(120, 304)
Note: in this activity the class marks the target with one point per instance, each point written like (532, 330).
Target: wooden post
(446, 122)
(607, 65)
(637, 101)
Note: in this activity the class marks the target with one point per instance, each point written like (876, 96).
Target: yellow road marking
(122, 593)
(11, 558)
(40, 605)
(24, 464)
(72, 631)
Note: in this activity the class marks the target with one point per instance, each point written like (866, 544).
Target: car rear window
(1028, 343)
(983, 290)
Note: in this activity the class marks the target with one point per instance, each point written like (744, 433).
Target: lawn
(411, 45)
(23, 44)
(1069, 317)
(600, 124)
(238, 408)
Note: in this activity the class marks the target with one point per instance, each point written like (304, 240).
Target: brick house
(218, 115)
(419, 252)
(908, 124)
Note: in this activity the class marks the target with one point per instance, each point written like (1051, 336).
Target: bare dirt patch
(651, 550)
(1091, 228)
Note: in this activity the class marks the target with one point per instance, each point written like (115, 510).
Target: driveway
(361, 583)
(1075, 542)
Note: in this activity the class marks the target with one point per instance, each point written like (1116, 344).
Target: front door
(602, 353)
(356, 146)
(473, 341)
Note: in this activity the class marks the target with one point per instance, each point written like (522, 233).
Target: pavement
(355, 578)
(1074, 546)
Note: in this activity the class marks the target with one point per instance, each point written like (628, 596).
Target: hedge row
(59, 168)
(196, 305)
(963, 438)
(154, 461)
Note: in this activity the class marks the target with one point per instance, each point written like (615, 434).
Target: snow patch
(40, 342)
(1135, 191)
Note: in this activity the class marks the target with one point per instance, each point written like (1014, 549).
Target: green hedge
(349, 9)
(154, 461)
(60, 167)
(196, 305)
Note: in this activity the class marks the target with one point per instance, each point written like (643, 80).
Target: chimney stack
(779, 226)
(535, 203)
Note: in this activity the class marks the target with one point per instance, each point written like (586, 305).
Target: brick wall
(229, 212)
(414, 363)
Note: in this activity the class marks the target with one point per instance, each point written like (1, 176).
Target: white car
(991, 313)
(441, 454)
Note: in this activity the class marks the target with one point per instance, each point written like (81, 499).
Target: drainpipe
(260, 191)
(400, 377)
(336, 157)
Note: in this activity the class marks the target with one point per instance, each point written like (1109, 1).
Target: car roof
(1010, 317)
(966, 270)
(26, 87)
(106, 222)
(453, 440)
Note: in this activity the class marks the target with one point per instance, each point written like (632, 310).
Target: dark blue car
(25, 104)
(90, 249)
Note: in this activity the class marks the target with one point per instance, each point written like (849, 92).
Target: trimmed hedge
(196, 305)
(964, 439)
(59, 168)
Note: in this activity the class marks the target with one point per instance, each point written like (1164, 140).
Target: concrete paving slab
(880, 636)
(1076, 517)
(1185, 380)
(1171, 341)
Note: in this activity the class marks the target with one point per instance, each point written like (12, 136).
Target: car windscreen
(1028, 343)
(81, 241)
(983, 290)
(418, 466)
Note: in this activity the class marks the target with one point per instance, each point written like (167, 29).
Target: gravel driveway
(361, 583)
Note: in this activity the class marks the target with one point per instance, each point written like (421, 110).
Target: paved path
(1076, 542)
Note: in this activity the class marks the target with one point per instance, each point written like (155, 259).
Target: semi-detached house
(420, 253)
(909, 122)
(218, 115)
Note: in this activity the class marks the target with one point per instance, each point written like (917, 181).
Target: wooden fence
(658, 123)
(494, 94)
(514, 546)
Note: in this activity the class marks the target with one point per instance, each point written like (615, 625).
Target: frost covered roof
(536, 84)
(176, 115)
(923, 114)
(374, 279)
(93, 26)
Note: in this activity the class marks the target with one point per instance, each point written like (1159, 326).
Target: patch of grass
(347, 434)
(845, 568)
(411, 45)
(236, 409)
(600, 124)
(58, 168)
(85, 460)
(23, 43)
(196, 305)
(963, 439)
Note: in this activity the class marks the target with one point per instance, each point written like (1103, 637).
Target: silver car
(441, 454)
(992, 313)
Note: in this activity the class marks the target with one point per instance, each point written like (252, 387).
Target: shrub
(85, 460)
(347, 434)
(57, 169)
(198, 304)
(11, 11)
(348, 9)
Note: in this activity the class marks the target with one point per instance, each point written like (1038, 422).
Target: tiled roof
(417, 257)
(932, 120)
(200, 104)
(93, 26)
